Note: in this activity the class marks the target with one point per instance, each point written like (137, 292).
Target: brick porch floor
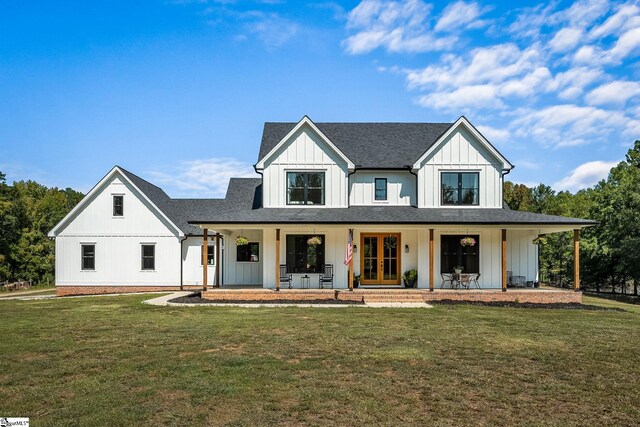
(539, 296)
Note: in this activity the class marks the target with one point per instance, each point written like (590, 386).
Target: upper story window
(148, 257)
(305, 188)
(88, 257)
(460, 188)
(118, 205)
(381, 189)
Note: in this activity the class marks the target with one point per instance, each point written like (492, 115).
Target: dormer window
(118, 205)
(460, 188)
(381, 189)
(305, 188)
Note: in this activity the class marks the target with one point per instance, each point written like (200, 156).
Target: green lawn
(113, 361)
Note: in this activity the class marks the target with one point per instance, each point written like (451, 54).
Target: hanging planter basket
(242, 241)
(540, 240)
(467, 241)
(314, 241)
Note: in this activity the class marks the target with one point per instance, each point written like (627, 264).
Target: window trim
(375, 190)
(459, 173)
(142, 256)
(82, 256)
(249, 260)
(211, 254)
(113, 205)
(306, 173)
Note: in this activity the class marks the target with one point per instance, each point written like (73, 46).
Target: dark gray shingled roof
(179, 211)
(368, 145)
(243, 201)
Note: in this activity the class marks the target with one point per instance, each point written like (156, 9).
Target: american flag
(349, 255)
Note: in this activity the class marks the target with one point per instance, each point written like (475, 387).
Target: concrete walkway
(164, 301)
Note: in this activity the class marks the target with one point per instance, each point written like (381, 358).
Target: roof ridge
(128, 172)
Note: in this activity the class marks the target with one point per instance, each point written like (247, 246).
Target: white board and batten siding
(243, 272)
(401, 188)
(192, 261)
(305, 152)
(117, 240)
(460, 152)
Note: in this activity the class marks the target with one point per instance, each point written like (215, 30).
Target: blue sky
(178, 91)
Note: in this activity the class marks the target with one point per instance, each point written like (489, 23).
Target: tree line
(610, 251)
(28, 211)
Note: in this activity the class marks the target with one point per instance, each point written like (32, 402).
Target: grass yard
(115, 361)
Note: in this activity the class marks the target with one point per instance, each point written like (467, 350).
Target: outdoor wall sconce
(406, 249)
(355, 248)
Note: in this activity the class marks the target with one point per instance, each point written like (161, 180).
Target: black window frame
(84, 257)
(305, 201)
(452, 253)
(297, 252)
(210, 254)
(151, 258)
(460, 189)
(376, 189)
(118, 209)
(246, 252)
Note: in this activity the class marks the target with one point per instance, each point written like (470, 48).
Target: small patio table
(305, 281)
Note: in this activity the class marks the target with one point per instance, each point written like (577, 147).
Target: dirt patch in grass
(506, 304)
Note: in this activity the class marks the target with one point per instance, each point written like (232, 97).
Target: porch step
(393, 298)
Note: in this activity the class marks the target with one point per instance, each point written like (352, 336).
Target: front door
(380, 258)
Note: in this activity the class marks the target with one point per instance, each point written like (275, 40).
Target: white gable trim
(304, 121)
(85, 201)
(462, 121)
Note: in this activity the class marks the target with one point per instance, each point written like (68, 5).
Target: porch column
(576, 259)
(504, 260)
(205, 256)
(218, 259)
(350, 234)
(277, 259)
(431, 256)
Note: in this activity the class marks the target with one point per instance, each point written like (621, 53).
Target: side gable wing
(89, 197)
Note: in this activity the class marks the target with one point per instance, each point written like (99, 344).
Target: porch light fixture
(406, 249)
(355, 248)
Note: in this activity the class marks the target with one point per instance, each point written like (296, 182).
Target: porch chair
(446, 278)
(326, 277)
(473, 279)
(285, 278)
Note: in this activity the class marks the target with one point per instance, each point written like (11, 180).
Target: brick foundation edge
(63, 291)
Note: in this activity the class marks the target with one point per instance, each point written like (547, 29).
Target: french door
(380, 258)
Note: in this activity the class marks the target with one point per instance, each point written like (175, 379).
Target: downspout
(182, 262)
(349, 183)
(410, 169)
(504, 172)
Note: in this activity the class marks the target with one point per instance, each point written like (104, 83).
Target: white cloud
(567, 125)
(625, 18)
(201, 178)
(460, 15)
(398, 26)
(494, 135)
(617, 92)
(585, 175)
(270, 28)
(565, 39)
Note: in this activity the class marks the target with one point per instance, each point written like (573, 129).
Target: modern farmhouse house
(331, 203)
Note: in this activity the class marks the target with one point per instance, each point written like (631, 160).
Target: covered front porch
(312, 256)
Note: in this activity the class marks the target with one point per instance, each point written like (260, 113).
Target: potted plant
(540, 240)
(314, 241)
(356, 280)
(241, 241)
(458, 269)
(410, 277)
